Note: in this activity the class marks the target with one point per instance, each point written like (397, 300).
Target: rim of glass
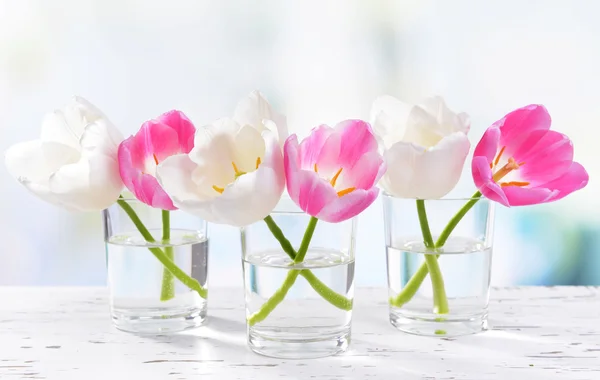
(453, 199)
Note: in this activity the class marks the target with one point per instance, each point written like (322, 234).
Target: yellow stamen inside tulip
(316, 170)
(238, 173)
(235, 169)
(345, 191)
(514, 183)
(499, 156)
(155, 159)
(509, 167)
(335, 177)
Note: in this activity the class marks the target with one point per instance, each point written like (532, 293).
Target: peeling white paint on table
(65, 333)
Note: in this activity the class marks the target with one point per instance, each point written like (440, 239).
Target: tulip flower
(234, 174)
(520, 161)
(170, 134)
(74, 162)
(425, 146)
(331, 175)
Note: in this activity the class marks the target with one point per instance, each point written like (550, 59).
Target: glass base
(273, 345)
(434, 325)
(158, 320)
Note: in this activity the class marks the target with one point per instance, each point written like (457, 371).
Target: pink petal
(311, 147)
(314, 193)
(488, 145)
(482, 175)
(574, 179)
(182, 126)
(551, 156)
(145, 187)
(365, 173)
(148, 190)
(310, 192)
(153, 139)
(291, 165)
(126, 169)
(357, 139)
(525, 196)
(348, 206)
(517, 126)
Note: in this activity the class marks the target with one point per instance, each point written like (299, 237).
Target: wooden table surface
(65, 333)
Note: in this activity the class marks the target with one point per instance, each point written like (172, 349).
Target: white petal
(416, 172)
(66, 126)
(214, 152)
(388, 117)
(251, 198)
(249, 145)
(256, 111)
(175, 175)
(92, 184)
(448, 121)
(101, 137)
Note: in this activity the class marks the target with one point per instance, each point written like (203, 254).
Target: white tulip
(234, 174)
(425, 146)
(74, 162)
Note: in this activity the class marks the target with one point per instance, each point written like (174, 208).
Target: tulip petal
(93, 183)
(549, 158)
(389, 116)
(312, 146)
(446, 120)
(67, 125)
(255, 110)
(482, 176)
(525, 196)
(153, 139)
(430, 121)
(357, 139)
(249, 146)
(416, 172)
(518, 125)
(182, 126)
(348, 206)
(488, 145)
(365, 173)
(575, 178)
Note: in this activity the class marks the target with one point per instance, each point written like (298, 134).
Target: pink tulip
(520, 161)
(172, 133)
(332, 174)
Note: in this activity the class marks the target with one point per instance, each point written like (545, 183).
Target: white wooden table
(65, 333)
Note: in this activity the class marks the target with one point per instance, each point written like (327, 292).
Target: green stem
(308, 234)
(290, 279)
(188, 281)
(167, 290)
(411, 287)
(440, 301)
(283, 241)
(323, 290)
(275, 299)
(456, 219)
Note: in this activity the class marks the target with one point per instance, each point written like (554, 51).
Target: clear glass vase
(439, 285)
(298, 309)
(157, 265)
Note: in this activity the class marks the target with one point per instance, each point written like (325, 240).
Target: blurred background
(317, 62)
